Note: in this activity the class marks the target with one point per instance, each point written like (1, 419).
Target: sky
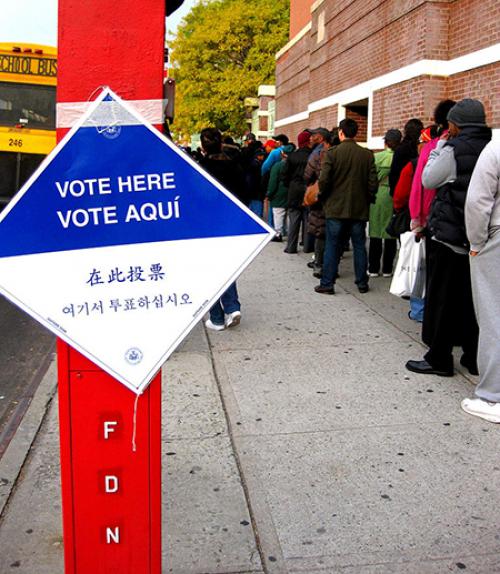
(174, 20)
(35, 21)
(30, 21)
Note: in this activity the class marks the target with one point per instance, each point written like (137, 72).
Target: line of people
(245, 172)
(421, 182)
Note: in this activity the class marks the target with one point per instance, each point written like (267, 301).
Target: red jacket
(403, 187)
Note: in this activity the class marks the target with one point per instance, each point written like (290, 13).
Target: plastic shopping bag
(418, 289)
(409, 277)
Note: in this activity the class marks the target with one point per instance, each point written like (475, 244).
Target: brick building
(384, 61)
(260, 112)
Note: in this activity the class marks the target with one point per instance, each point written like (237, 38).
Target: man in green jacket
(347, 186)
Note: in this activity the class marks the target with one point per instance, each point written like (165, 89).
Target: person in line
(275, 154)
(406, 151)
(319, 137)
(255, 187)
(420, 197)
(449, 313)
(277, 193)
(250, 145)
(402, 191)
(316, 217)
(227, 310)
(231, 148)
(482, 219)
(293, 179)
(381, 211)
(347, 185)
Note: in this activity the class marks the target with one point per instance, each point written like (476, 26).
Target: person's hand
(417, 229)
(473, 253)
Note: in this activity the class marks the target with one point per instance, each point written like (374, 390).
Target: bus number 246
(15, 142)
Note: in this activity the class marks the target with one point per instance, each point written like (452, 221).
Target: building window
(321, 27)
(359, 111)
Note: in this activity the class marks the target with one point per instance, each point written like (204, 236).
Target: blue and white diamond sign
(119, 243)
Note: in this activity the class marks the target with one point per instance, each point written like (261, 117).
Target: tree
(223, 51)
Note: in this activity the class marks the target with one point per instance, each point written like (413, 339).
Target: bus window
(27, 112)
(28, 106)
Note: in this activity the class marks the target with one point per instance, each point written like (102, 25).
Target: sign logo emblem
(110, 132)
(134, 356)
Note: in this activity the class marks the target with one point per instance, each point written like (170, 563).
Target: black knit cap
(467, 112)
(281, 138)
(393, 135)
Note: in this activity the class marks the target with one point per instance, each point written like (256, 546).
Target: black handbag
(399, 223)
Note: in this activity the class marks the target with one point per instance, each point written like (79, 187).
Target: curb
(17, 452)
(265, 533)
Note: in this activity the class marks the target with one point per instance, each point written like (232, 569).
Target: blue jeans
(228, 303)
(270, 217)
(417, 309)
(337, 232)
(257, 207)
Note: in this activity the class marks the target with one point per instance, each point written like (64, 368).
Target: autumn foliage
(224, 49)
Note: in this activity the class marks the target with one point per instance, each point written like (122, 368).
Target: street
(26, 349)
(298, 442)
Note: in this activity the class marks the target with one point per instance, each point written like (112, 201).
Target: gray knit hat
(467, 112)
(321, 131)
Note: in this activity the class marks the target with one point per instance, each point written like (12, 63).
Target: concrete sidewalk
(296, 442)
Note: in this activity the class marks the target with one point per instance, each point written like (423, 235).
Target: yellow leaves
(223, 51)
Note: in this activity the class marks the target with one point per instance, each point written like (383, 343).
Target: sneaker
(417, 318)
(233, 319)
(373, 274)
(386, 274)
(483, 409)
(214, 326)
(278, 238)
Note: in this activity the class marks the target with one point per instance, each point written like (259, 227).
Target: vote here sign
(120, 242)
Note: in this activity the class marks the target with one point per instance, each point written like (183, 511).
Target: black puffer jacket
(228, 172)
(293, 176)
(402, 155)
(446, 219)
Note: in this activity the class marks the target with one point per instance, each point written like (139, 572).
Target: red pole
(111, 493)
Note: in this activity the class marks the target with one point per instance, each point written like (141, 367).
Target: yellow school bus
(28, 75)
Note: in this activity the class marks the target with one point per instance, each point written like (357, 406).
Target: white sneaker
(373, 274)
(233, 319)
(213, 326)
(481, 408)
(386, 274)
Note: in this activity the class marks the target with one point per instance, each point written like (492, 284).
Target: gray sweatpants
(485, 275)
